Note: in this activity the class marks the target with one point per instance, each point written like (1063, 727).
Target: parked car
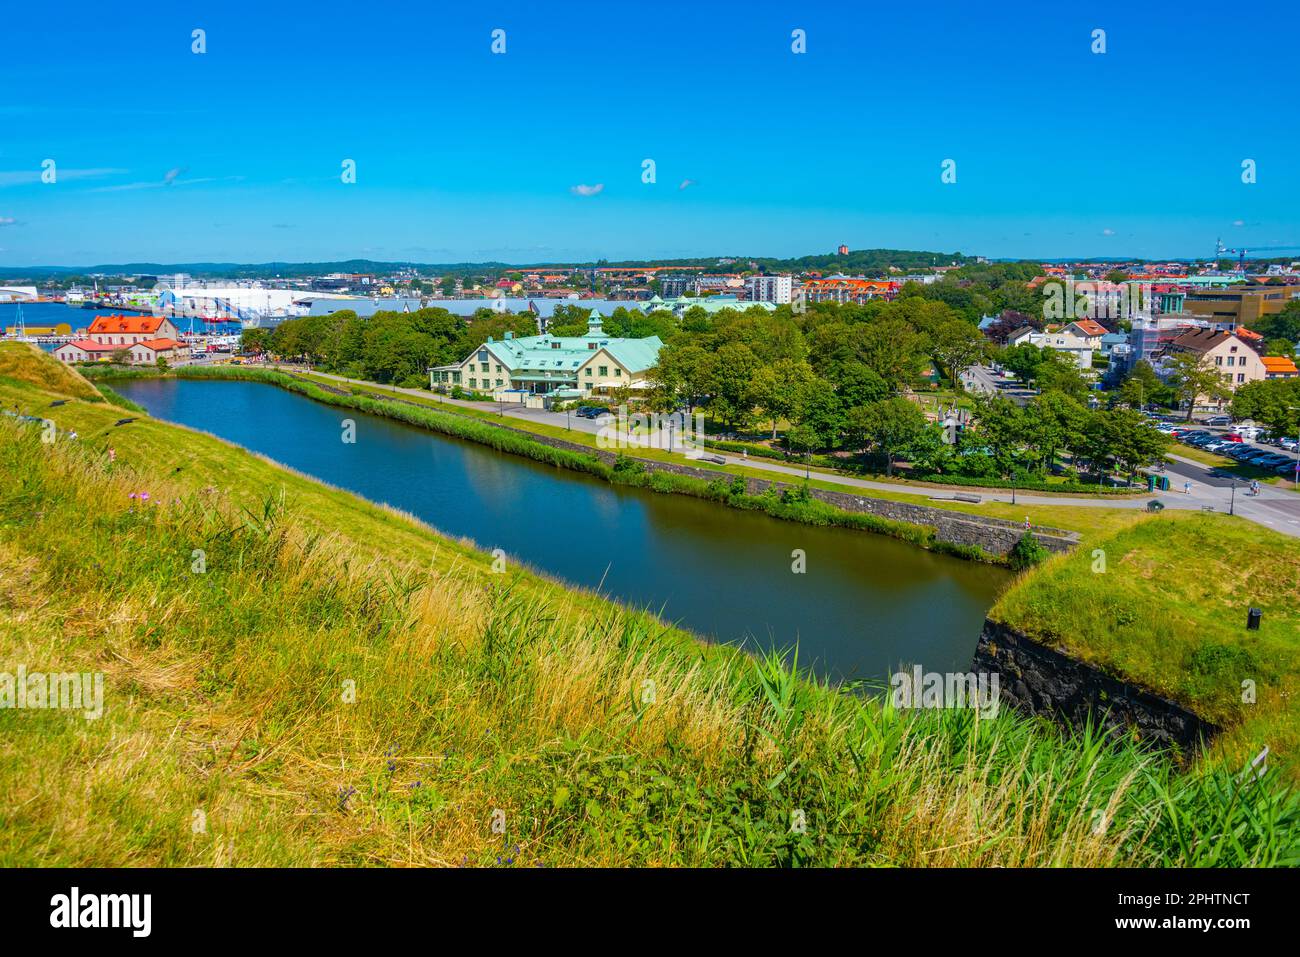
(590, 411)
(1261, 460)
(1219, 420)
(1289, 444)
(1272, 461)
(1286, 471)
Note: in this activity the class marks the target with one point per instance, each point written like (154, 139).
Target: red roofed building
(145, 339)
(127, 330)
(838, 289)
(1279, 367)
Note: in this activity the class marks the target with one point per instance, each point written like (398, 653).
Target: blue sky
(235, 154)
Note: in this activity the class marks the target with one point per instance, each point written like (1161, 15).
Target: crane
(1220, 249)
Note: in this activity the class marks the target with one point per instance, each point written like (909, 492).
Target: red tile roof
(131, 324)
(1090, 327)
(159, 344)
(1279, 365)
(90, 345)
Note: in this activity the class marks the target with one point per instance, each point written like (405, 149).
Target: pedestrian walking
(1187, 488)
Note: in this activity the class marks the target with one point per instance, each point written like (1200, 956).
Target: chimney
(509, 334)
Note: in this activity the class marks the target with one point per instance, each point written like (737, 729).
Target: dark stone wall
(1038, 680)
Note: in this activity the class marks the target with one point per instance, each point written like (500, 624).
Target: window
(1218, 360)
(473, 383)
(604, 370)
(617, 371)
(498, 383)
(483, 367)
(1241, 377)
(498, 368)
(589, 370)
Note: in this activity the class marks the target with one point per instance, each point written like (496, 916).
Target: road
(1277, 508)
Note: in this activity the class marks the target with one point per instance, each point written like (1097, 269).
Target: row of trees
(1006, 440)
(1272, 402)
(389, 347)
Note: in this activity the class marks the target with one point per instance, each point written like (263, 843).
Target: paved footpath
(1276, 508)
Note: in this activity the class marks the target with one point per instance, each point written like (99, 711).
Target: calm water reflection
(865, 604)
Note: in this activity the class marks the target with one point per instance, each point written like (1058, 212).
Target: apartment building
(1224, 351)
(844, 289)
(777, 289)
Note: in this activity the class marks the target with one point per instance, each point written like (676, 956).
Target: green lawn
(1169, 613)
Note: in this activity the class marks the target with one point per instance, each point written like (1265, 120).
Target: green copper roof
(566, 353)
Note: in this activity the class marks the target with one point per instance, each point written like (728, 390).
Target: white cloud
(1108, 232)
(20, 177)
(582, 189)
(1239, 222)
(170, 179)
(8, 221)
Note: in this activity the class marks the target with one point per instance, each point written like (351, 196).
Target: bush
(626, 465)
(1026, 553)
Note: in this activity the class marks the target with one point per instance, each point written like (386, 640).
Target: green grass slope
(294, 676)
(1164, 605)
(24, 362)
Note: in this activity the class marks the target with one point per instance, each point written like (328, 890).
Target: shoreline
(960, 534)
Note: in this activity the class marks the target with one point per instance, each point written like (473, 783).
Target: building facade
(1223, 351)
(775, 289)
(1240, 304)
(594, 364)
(145, 339)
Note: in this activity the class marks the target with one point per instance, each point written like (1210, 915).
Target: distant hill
(856, 261)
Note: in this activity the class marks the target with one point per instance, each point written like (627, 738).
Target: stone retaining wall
(1039, 680)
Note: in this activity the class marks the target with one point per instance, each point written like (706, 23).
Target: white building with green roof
(571, 366)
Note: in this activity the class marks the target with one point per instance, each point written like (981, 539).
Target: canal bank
(857, 605)
(960, 533)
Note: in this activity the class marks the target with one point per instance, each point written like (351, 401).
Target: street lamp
(1232, 500)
